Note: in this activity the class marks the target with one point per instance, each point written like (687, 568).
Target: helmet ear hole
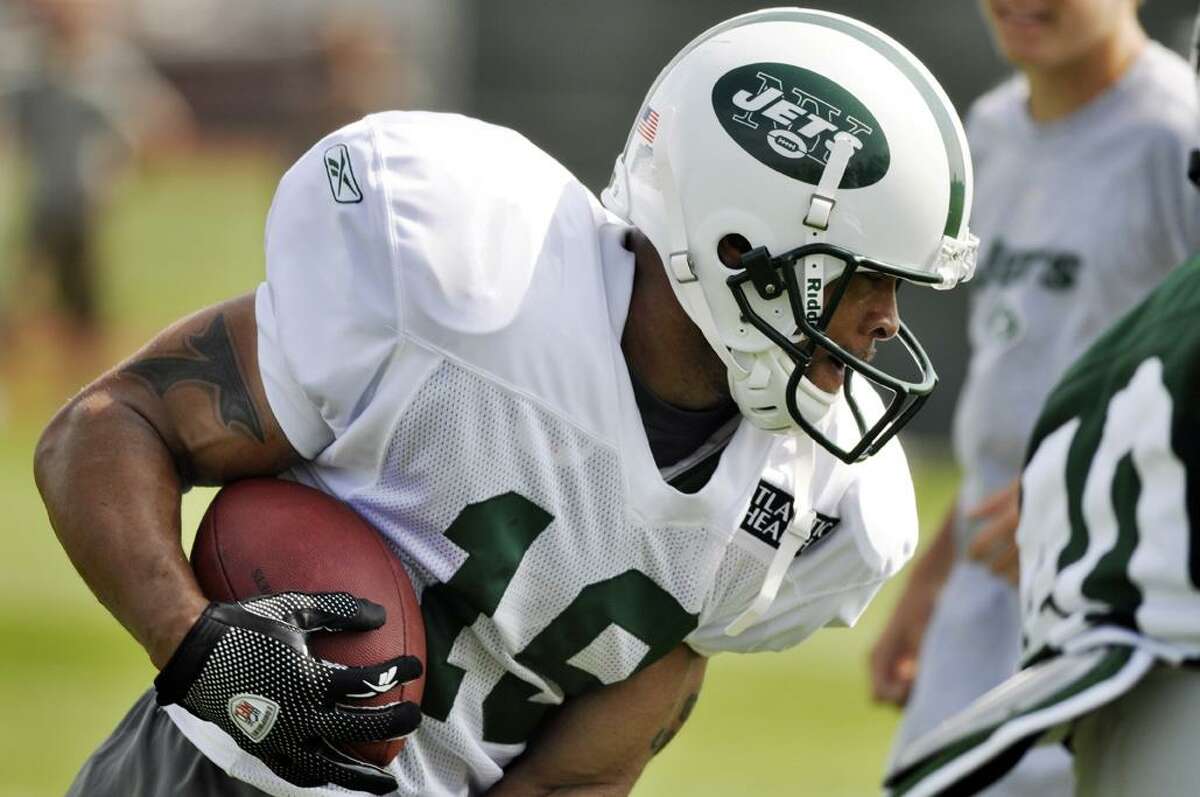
(730, 249)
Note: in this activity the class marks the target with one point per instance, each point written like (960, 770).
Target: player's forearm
(599, 743)
(112, 493)
(933, 567)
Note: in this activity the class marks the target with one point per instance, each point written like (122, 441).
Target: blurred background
(140, 142)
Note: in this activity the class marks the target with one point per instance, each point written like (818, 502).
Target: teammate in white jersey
(1084, 207)
(606, 440)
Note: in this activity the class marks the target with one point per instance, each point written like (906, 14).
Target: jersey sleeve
(327, 313)
(832, 582)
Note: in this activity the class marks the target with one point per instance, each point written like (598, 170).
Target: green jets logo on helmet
(786, 117)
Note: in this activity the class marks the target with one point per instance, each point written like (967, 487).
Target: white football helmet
(829, 148)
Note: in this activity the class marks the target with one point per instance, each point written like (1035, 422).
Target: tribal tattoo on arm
(210, 361)
(665, 735)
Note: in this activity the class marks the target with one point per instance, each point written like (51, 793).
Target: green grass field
(188, 233)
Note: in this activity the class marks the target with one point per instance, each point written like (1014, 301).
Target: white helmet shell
(793, 127)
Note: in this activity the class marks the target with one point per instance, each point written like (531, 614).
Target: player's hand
(894, 657)
(246, 667)
(995, 544)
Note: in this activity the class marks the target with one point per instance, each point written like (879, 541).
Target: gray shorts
(147, 756)
(1144, 742)
(973, 643)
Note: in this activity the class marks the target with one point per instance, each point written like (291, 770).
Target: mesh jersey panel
(538, 580)
(463, 441)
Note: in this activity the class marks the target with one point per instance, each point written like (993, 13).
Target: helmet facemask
(774, 277)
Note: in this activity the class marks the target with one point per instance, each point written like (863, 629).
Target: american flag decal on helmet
(647, 125)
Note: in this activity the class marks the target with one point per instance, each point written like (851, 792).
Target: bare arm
(894, 657)
(598, 745)
(189, 408)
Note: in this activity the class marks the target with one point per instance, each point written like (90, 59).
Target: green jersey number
(496, 534)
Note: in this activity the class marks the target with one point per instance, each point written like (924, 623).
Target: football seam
(392, 565)
(217, 553)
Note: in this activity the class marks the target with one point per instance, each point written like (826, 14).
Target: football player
(606, 438)
(1109, 574)
(1083, 207)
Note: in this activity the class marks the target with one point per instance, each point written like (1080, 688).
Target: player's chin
(826, 373)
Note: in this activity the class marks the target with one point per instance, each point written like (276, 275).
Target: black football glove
(246, 667)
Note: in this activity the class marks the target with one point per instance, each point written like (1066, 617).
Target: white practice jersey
(439, 333)
(1078, 220)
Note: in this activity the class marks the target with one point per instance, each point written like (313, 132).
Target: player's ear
(731, 248)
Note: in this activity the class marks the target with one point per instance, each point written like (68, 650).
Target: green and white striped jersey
(1111, 487)
(1110, 554)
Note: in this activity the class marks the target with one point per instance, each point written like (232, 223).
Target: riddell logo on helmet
(786, 118)
(813, 294)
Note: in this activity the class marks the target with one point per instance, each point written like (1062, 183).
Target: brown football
(262, 536)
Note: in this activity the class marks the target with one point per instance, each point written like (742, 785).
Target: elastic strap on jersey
(799, 531)
(789, 545)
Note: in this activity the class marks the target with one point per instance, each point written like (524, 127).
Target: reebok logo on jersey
(341, 175)
(770, 512)
(786, 118)
(253, 715)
